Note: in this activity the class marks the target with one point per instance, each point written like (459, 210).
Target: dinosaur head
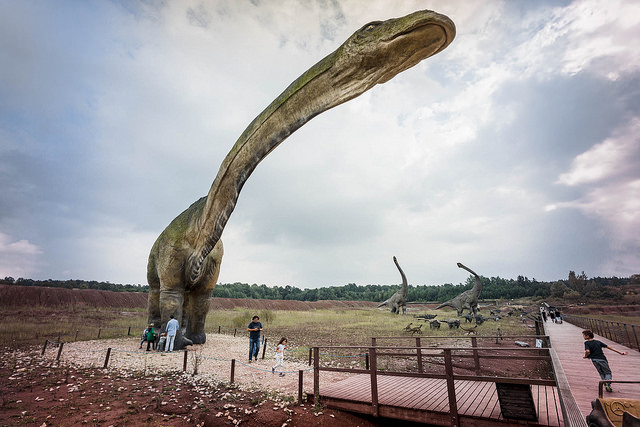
(382, 49)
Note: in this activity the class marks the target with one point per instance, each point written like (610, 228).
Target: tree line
(575, 287)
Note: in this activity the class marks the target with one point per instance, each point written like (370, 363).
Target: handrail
(449, 375)
(620, 332)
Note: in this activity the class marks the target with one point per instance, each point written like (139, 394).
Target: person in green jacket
(151, 337)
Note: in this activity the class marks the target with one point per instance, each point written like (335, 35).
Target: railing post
(476, 357)
(184, 363)
(310, 355)
(300, 380)
(264, 347)
(635, 336)
(129, 331)
(234, 331)
(106, 359)
(621, 334)
(233, 369)
(99, 330)
(75, 338)
(451, 389)
(366, 361)
(316, 375)
(219, 328)
(374, 381)
(59, 352)
(419, 354)
(44, 347)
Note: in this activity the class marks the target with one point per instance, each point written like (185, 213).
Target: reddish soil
(13, 296)
(35, 393)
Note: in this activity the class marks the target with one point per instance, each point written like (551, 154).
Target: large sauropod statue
(184, 262)
(468, 299)
(399, 299)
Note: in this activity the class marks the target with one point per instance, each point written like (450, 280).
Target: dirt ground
(149, 388)
(35, 391)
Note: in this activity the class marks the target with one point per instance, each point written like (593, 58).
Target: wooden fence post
(316, 376)
(59, 352)
(184, 364)
(366, 360)
(99, 330)
(219, 328)
(106, 359)
(44, 347)
(476, 358)
(129, 331)
(310, 355)
(419, 353)
(300, 379)
(75, 338)
(264, 347)
(233, 369)
(451, 390)
(234, 331)
(374, 380)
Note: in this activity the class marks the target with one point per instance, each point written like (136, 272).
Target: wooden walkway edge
(581, 376)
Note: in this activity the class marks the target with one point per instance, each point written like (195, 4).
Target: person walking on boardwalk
(254, 329)
(280, 348)
(172, 330)
(593, 350)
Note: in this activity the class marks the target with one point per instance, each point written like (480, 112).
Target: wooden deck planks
(476, 399)
(567, 341)
(479, 399)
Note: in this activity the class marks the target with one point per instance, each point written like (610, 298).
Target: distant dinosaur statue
(399, 299)
(468, 299)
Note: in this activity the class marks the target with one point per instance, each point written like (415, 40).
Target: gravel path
(213, 359)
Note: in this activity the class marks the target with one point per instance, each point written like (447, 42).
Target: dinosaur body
(468, 299)
(184, 262)
(399, 299)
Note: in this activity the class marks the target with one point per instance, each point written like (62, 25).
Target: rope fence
(111, 352)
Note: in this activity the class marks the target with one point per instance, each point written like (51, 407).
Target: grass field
(302, 328)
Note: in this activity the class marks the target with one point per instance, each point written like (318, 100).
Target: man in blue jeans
(254, 329)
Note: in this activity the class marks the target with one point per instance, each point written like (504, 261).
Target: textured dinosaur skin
(468, 299)
(399, 299)
(184, 263)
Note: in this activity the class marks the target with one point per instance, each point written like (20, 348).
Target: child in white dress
(282, 345)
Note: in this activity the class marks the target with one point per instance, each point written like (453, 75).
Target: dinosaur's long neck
(372, 55)
(311, 94)
(477, 286)
(405, 284)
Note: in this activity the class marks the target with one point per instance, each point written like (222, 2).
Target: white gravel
(213, 359)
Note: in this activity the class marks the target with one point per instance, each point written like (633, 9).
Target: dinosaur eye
(371, 26)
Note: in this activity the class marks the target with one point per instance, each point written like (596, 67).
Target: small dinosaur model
(184, 262)
(468, 299)
(399, 299)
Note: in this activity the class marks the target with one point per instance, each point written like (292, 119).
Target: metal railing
(620, 332)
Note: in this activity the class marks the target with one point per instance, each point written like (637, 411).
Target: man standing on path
(172, 330)
(593, 350)
(254, 329)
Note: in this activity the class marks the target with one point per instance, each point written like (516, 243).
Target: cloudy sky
(516, 151)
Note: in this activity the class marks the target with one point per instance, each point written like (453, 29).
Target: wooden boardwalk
(425, 400)
(567, 341)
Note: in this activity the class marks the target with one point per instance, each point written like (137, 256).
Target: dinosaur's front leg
(198, 297)
(196, 307)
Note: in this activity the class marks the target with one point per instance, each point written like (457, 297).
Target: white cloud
(617, 157)
(19, 258)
